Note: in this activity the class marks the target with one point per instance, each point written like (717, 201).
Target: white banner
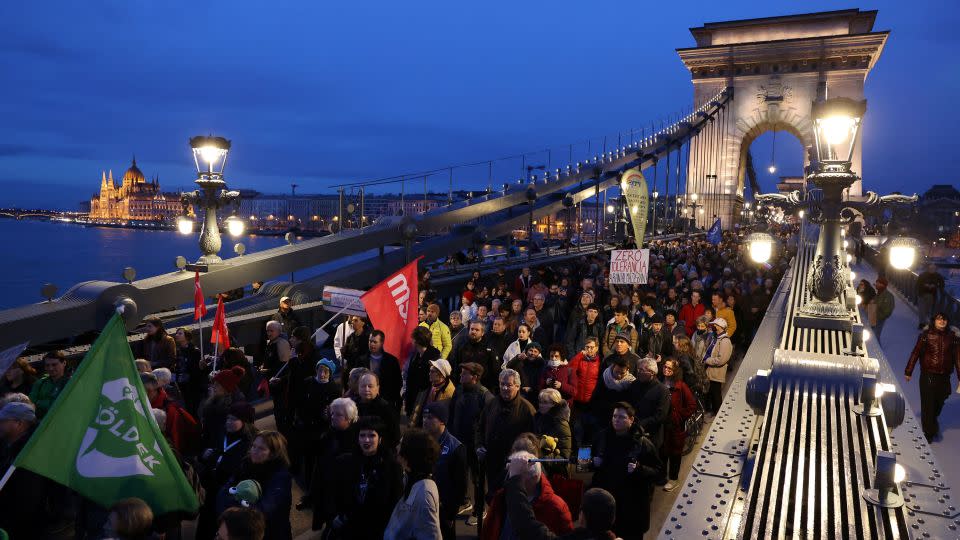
(339, 299)
(629, 266)
(634, 187)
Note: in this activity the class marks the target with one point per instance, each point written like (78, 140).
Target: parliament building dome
(133, 175)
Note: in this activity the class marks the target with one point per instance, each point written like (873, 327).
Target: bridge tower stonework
(777, 67)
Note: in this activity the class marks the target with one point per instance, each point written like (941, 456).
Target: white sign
(341, 300)
(629, 266)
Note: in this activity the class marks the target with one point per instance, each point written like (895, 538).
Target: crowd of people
(522, 390)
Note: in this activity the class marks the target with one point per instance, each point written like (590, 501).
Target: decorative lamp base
(887, 499)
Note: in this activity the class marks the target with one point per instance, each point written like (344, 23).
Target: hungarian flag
(715, 234)
(219, 331)
(100, 438)
(392, 308)
(199, 307)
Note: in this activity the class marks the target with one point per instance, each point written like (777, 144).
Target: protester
(519, 346)
(183, 431)
(440, 332)
(266, 463)
(213, 411)
(450, 470)
(500, 422)
(417, 370)
(130, 519)
(597, 511)
(548, 508)
(938, 352)
(339, 439)
(239, 523)
(277, 351)
(357, 344)
(529, 364)
(930, 286)
(883, 304)
(386, 366)
(553, 420)
(48, 388)
(188, 375)
(614, 387)
(651, 400)
(286, 316)
(417, 513)
(157, 347)
(441, 389)
(558, 375)
(366, 485)
(19, 378)
(312, 416)
(717, 356)
(588, 325)
(220, 462)
(469, 399)
(620, 325)
(476, 350)
(682, 405)
(626, 464)
(371, 403)
(690, 312)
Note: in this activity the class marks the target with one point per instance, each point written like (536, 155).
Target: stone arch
(748, 129)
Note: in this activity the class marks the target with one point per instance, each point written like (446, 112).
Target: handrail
(905, 281)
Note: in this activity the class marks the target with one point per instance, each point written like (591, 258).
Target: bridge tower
(777, 67)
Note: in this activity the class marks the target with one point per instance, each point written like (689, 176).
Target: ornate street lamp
(760, 246)
(210, 157)
(836, 127)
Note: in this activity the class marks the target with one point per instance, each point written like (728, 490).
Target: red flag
(392, 307)
(219, 331)
(199, 307)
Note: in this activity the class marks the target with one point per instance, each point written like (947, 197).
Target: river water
(65, 254)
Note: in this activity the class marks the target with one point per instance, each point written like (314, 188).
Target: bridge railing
(905, 281)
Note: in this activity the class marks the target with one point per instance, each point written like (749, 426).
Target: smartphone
(584, 459)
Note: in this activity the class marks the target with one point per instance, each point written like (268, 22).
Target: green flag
(100, 439)
(634, 187)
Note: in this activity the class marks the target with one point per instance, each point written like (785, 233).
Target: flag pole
(6, 476)
(337, 314)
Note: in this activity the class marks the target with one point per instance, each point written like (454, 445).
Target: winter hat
(473, 368)
(622, 336)
(247, 492)
(468, 295)
(243, 411)
(722, 323)
(443, 366)
(229, 379)
(533, 345)
(656, 319)
(438, 410)
(15, 410)
(331, 365)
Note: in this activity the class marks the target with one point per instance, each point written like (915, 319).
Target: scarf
(614, 384)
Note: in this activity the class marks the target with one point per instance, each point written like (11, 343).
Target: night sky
(319, 93)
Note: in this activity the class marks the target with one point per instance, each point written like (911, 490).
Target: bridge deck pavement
(899, 336)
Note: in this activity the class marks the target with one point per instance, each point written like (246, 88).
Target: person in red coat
(682, 405)
(691, 311)
(558, 374)
(586, 367)
(548, 507)
(182, 429)
(938, 352)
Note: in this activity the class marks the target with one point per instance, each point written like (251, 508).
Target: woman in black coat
(366, 486)
(553, 420)
(339, 439)
(267, 463)
(627, 465)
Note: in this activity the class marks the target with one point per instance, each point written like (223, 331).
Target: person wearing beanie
(268, 464)
(366, 484)
(311, 415)
(222, 460)
(529, 364)
(468, 307)
(450, 471)
(441, 389)
(224, 391)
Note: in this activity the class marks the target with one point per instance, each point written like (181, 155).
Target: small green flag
(100, 439)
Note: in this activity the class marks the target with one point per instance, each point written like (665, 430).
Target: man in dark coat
(469, 399)
(651, 398)
(498, 339)
(386, 366)
(621, 350)
(286, 316)
(450, 471)
(372, 404)
(476, 350)
(589, 325)
(501, 421)
(418, 367)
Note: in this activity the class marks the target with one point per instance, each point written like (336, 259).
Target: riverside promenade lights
(210, 158)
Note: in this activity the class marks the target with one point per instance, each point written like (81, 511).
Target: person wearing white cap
(441, 389)
(286, 316)
(25, 496)
(717, 357)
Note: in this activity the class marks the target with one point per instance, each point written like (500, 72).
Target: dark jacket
(276, 485)
(391, 377)
(499, 343)
(530, 371)
(213, 415)
(159, 352)
(481, 353)
(311, 418)
(418, 374)
(631, 490)
(363, 493)
(356, 347)
(387, 414)
(938, 351)
(682, 405)
(658, 343)
(632, 359)
(580, 330)
(608, 392)
(30, 504)
(288, 319)
(651, 399)
(332, 444)
(465, 408)
(500, 424)
(556, 423)
(450, 473)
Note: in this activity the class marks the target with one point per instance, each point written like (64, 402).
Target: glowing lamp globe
(184, 225)
(903, 253)
(836, 125)
(760, 246)
(210, 154)
(235, 226)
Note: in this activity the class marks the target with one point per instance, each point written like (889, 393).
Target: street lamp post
(653, 225)
(836, 126)
(210, 157)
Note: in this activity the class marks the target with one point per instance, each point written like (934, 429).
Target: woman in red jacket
(682, 405)
(558, 374)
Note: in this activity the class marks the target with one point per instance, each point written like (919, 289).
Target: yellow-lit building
(134, 199)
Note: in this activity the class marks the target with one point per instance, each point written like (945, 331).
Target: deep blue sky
(323, 92)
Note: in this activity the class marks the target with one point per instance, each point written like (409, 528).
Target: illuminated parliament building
(134, 199)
